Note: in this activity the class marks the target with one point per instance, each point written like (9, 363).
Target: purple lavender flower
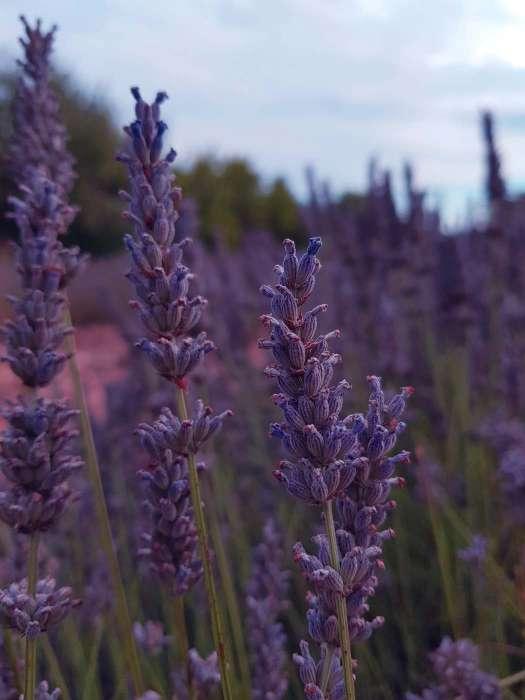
(171, 547)
(40, 138)
(476, 552)
(346, 459)
(45, 693)
(37, 458)
(456, 666)
(150, 636)
(311, 674)
(42, 168)
(203, 674)
(318, 441)
(160, 279)
(267, 592)
(32, 615)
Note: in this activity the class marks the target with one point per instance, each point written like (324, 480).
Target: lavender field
(267, 448)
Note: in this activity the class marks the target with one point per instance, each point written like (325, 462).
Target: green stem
(182, 640)
(55, 671)
(342, 617)
(106, 537)
(200, 522)
(231, 604)
(326, 668)
(30, 661)
(12, 658)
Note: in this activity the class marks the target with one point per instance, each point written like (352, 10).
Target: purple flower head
(317, 438)
(360, 515)
(267, 594)
(204, 677)
(171, 546)
(150, 636)
(40, 138)
(311, 674)
(34, 615)
(37, 458)
(456, 667)
(33, 338)
(43, 692)
(161, 281)
(476, 552)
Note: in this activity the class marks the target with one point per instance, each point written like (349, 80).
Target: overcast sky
(324, 82)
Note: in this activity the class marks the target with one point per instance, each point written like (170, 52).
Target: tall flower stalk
(42, 166)
(169, 317)
(333, 460)
(35, 449)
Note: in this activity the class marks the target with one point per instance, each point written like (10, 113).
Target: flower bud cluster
(360, 514)
(37, 458)
(43, 170)
(160, 279)
(319, 441)
(40, 138)
(311, 674)
(172, 547)
(267, 597)
(456, 666)
(33, 615)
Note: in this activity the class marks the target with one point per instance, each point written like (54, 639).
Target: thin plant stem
(202, 532)
(54, 668)
(231, 604)
(326, 668)
(106, 537)
(182, 640)
(12, 658)
(342, 617)
(30, 653)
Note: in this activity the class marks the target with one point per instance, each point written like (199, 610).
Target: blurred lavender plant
(37, 458)
(150, 637)
(35, 450)
(456, 666)
(476, 551)
(31, 615)
(267, 597)
(169, 316)
(204, 677)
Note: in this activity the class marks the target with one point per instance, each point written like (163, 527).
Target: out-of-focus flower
(33, 615)
(43, 692)
(311, 674)
(204, 677)
(37, 458)
(456, 667)
(476, 552)
(150, 636)
(267, 596)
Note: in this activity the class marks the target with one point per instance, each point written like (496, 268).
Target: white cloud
(328, 82)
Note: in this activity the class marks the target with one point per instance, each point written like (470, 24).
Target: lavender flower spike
(317, 440)
(36, 458)
(169, 316)
(266, 598)
(160, 279)
(32, 615)
(40, 138)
